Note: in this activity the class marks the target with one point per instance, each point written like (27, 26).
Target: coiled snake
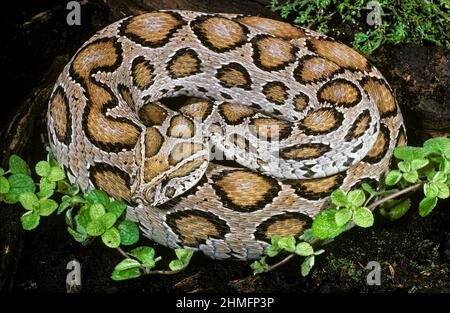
(300, 113)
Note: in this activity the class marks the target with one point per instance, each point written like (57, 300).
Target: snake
(221, 130)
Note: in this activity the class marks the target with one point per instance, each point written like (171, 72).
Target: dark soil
(414, 252)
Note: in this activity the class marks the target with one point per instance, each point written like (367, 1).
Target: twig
(122, 252)
(395, 195)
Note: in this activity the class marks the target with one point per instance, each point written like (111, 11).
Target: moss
(411, 21)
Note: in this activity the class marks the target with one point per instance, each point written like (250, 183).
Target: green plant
(426, 168)
(88, 215)
(411, 21)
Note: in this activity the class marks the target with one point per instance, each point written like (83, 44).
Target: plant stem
(283, 261)
(395, 195)
(162, 272)
(122, 252)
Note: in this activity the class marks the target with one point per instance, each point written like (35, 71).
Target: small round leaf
(343, 216)
(356, 197)
(30, 220)
(56, 174)
(18, 166)
(339, 198)
(304, 249)
(47, 207)
(29, 200)
(393, 177)
(4, 185)
(129, 232)
(96, 211)
(111, 238)
(95, 228)
(426, 206)
(363, 217)
(43, 168)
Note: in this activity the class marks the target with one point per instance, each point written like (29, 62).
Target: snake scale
(270, 119)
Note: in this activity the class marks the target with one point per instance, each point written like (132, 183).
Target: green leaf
(83, 218)
(96, 210)
(4, 185)
(2, 171)
(397, 210)
(307, 265)
(108, 220)
(29, 201)
(411, 177)
(405, 166)
(62, 207)
(443, 190)
(439, 177)
(363, 217)
(47, 207)
(97, 196)
(356, 197)
(176, 265)
(426, 206)
(66, 188)
(117, 207)
(430, 190)
(126, 274)
(144, 254)
(95, 228)
(343, 216)
(111, 238)
(68, 218)
(304, 249)
(127, 264)
(324, 225)
(273, 251)
(369, 189)
(18, 166)
(43, 168)
(393, 177)
(77, 236)
(307, 235)
(339, 198)
(46, 188)
(30, 220)
(259, 266)
(410, 153)
(287, 243)
(19, 183)
(184, 255)
(438, 145)
(56, 174)
(419, 163)
(129, 232)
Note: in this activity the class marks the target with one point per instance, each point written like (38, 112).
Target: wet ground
(414, 253)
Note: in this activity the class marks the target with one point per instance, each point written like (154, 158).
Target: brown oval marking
(274, 27)
(195, 227)
(234, 75)
(181, 127)
(318, 188)
(219, 33)
(153, 142)
(112, 180)
(276, 92)
(142, 72)
(155, 166)
(197, 108)
(339, 92)
(234, 113)
(285, 224)
(380, 93)
(188, 167)
(321, 121)
(182, 151)
(359, 127)
(301, 101)
(125, 93)
(380, 147)
(270, 128)
(60, 113)
(339, 53)
(185, 62)
(245, 191)
(313, 68)
(112, 134)
(152, 29)
(152, 114)
(272, 54)
(305, 151)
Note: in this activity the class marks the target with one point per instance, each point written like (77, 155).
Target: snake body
(298, 113)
